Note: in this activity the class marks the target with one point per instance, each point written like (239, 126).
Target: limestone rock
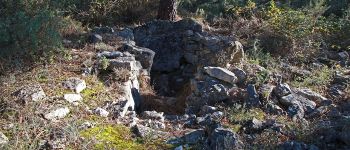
(30, 93)
(144, 131)
(282, 90)
(71, 98)
(311, 95)
(153, 115)
(76, 84)
(3, 139)
(101, 112)
(194, 137)
(221, 74)
(144, 55)
(222, 139)
(57, 113)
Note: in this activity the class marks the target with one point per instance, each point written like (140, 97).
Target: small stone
(3, 139)
(57, 114)
(86, 125)
(75, 84)
(221, 74)
(101, 112)
(71, 98)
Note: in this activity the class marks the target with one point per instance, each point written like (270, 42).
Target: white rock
(75, 84)
(3, 139)
(221, 74)
(57, 114)
(311, 95)
(71, 98)
(31, 93)
(101, 112)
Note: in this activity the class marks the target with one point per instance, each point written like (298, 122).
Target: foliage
(317, 81)
(28, 27)
(107, 12)
(111, 137)
(118, 137)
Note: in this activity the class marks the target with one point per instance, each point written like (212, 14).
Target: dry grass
(24, 124)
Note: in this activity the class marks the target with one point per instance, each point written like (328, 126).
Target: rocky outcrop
(181, 50)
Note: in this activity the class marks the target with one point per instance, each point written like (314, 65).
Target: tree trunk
(167, 10)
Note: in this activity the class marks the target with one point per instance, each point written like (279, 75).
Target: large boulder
(224, 139)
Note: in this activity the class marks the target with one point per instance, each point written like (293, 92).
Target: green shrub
(28, 27)
(107, 12)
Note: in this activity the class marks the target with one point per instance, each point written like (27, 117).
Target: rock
(336, 90)
(153, 115)
(253, 96)
(274, 109)
(204, 121)
(3, 139)
(207, 92)
(94, 38)
(293, 99)
(110, 55)
(207, 109)
(103, 30)
(318, 112)
(293, 145)
(194, 137)
(86, 125)
(311, 95)
(126, 34)
(343, 56)
(241, 74)
(179, 148)
(57, 113)
(75, 84)
(144, 132)
(30, 93)
(342, 78)
(71, 98)
(253, 126)
(144, 55)
(221, 74)
(218, 115)
(221, 139)
(101, 112)
(345, 135)
(282, 90)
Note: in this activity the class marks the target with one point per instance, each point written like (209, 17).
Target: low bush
(28, 27)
